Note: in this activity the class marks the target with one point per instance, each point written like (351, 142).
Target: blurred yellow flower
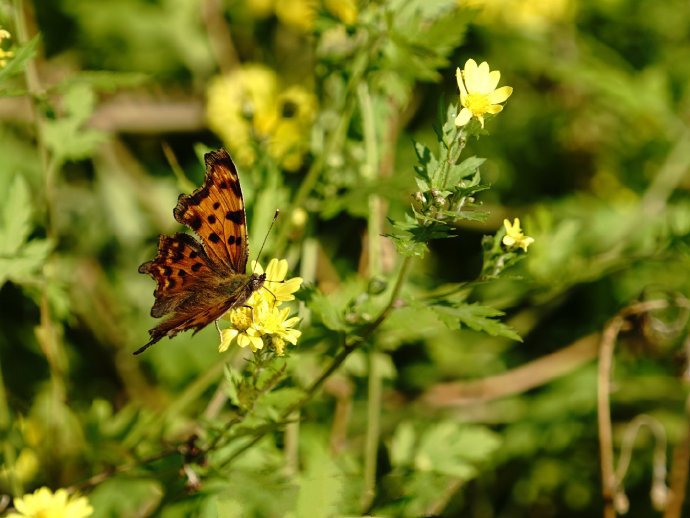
(478, 92)
(248, 106)
(514, 237)
(530, 16)
(261, 323)
(5, 54)
(43, 503)
(301, 14)
(345, 10)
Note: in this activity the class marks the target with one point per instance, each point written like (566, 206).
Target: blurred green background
(104, 122)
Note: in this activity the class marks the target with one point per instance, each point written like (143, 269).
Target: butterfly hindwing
(216, 213)
(181, 265)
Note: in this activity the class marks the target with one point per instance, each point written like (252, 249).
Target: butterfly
(198, 282)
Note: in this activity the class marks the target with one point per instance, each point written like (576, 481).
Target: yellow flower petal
(461, 84)
(493, 109)
(494, 78)
(500, 95)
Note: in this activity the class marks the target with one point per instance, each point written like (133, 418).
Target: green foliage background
(438, 409)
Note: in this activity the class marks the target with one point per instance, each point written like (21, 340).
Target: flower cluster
(43, 503)
(5, 54)
(514, 237)
(478, 93)
(248, 105)
(262, 323)
(301, 14)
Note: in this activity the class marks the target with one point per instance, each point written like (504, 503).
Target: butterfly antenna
(275, 217)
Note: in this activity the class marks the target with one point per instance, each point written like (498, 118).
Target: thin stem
(608, 478)
(375, 382)
(375, 389)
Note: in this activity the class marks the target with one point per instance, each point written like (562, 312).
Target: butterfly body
(197, 282)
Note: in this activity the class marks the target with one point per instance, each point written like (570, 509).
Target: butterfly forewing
(216, 213)
(198, 282)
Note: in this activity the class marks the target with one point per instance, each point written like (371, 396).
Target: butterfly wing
(215, 211)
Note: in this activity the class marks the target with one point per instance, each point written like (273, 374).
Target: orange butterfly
(199, 282)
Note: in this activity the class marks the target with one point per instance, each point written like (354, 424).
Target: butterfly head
(256, 282)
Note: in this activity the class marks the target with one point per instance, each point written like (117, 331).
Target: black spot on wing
(236, 216)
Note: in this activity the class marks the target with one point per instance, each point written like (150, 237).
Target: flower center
(241, 319)
(477, 103)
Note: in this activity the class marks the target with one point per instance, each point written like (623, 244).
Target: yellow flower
(275, 323)
(5, 54)
(43, 503)
(345, 10)
(514, 236)
(299, 14)
(261, 322)
(248, 105)
(478, 92)
(277, 288)
(243, 330)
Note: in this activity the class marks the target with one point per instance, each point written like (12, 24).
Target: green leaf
(27, 263)
(321, 486)
(475, 316)
(79, 102)
(326, 312)
(232, 381)
(459, 171)
(68, 141)
(16, 215)
(455, 450)
(402, 445)
(21, 56)
(66, 137)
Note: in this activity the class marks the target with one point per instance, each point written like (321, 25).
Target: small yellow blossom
(478, 92)
(5, 54)
(298, 14)
(514, 236)
(279, 289)
(261, 323)
(43, 503)
(249, 105)
(275, 323)
(243, 330)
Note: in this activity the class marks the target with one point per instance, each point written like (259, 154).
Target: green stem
(375, 381)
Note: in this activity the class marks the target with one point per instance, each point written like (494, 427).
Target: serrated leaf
(21, 56)
(462, 170)
(326, 312)
(477, 317)
(455, 450)
(232, 380)
(16, 215)
(320, 487)
(79, 102)
(68, 141)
